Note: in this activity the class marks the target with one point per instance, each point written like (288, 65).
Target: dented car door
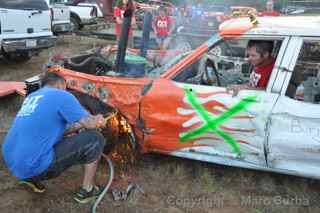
(294, 138)
(207, 123)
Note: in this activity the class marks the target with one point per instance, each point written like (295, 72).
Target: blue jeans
(83, 148)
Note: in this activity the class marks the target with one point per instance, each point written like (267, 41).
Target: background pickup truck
(80, 14)
(60, 17)
(25, 29)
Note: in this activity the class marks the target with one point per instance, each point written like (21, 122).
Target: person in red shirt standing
(162, 26)
(260, 57)
(121, 7)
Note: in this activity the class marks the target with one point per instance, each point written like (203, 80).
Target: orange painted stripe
(196, 54)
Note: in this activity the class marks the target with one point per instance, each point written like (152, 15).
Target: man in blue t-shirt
(35, 148)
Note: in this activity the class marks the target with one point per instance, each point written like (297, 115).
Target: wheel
(101, 69)
(75, 24)
(17, 57)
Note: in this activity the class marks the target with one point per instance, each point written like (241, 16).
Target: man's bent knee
(94, 148)
(96, 136)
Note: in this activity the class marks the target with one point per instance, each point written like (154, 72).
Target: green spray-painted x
(214, 123)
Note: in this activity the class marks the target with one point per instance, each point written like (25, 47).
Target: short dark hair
(162, 8)
(51, 78)
(262, 46)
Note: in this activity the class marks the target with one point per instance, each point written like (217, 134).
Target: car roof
(281, 25)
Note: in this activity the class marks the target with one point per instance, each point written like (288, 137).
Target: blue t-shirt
(38, 126)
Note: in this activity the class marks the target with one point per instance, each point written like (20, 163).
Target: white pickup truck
(93, 3)
(60, 16)
(81, 15)
(25, 29)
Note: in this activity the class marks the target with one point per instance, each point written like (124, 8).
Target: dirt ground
(170, 185)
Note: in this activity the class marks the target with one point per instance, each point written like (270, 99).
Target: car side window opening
(304, 84)
(224, 64)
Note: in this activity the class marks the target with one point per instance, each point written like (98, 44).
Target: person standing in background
(120, 8)
(162, 26)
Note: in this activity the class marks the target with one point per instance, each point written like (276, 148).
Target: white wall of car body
(279, 26)
(295, 131)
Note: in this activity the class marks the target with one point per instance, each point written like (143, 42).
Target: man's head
(259, 52)
(54, 80)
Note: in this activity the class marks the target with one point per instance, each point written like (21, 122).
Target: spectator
(121, 7)
(259, 56)
(163, 26)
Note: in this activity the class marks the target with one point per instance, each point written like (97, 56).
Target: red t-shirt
(162, 25)
(260, 76)
(118, 12)
(269, 13)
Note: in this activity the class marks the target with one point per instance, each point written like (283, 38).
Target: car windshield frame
(158, 71)
(39, 5)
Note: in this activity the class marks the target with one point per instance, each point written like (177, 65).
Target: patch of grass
(259, 211)
(207, 181)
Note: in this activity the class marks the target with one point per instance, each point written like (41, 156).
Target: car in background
(60, 16)
(25, 29)
(80, 15)
(294, 10)
(243, 11)
(196, 24)
(92, 3)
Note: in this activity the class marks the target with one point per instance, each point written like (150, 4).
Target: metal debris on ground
(122, 195)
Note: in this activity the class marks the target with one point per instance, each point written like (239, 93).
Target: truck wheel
(75, 24)
(17, 57)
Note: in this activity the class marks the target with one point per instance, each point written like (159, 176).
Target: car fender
(11, 87)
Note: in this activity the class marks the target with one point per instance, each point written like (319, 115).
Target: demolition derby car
(183, 108)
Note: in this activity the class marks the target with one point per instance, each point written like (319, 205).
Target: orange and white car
(183, 108)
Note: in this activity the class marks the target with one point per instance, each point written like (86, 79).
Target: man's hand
(72, 128)
(93, 121)
(101, 122)
(235, 88)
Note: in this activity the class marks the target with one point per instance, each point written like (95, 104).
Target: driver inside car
(260, 57)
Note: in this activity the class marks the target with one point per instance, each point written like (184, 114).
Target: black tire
(17, 57)
(75, 24)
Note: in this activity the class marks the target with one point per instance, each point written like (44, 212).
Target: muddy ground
(171, 185)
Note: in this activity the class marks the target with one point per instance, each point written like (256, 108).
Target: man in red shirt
(260, 57)
(162, 27)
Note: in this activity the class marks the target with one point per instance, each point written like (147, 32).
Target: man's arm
(172, 25)
(73, 127)
(90, 122)
(235, 88)
(118, 20)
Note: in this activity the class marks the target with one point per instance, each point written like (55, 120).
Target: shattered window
(224, 64)
(304, 84)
